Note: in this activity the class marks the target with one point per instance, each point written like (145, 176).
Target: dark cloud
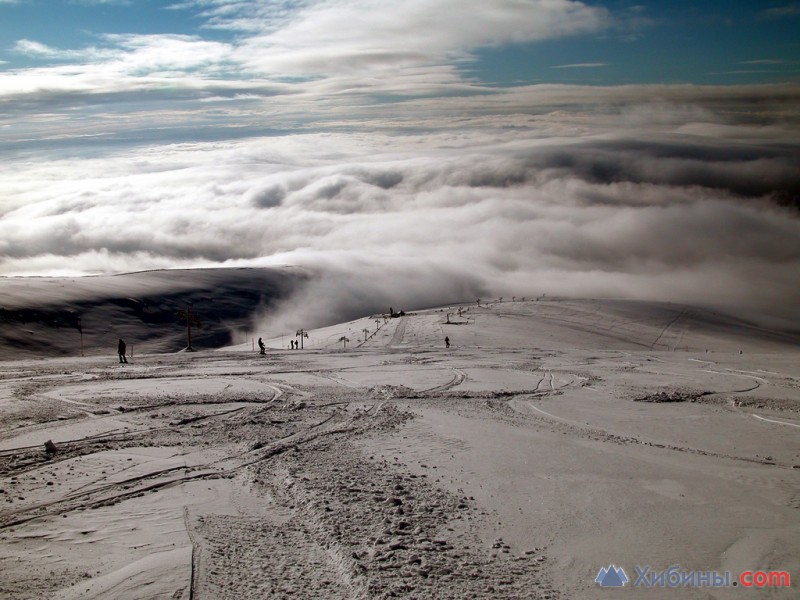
(269, 197)
(384, 179)
(742, 170)
(496, 175)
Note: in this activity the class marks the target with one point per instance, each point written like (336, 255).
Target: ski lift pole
(190, 319)
(189, 326)
(80, 330)
(301, 333)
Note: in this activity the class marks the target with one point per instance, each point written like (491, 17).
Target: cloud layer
(565, 202)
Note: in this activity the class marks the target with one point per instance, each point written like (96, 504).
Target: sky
(431, 149)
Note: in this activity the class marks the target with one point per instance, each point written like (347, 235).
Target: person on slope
(121, 351)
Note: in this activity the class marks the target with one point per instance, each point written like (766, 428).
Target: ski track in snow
(288, 476)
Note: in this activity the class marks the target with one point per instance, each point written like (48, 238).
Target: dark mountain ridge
(48, 316)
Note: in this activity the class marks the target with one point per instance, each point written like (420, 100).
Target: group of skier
(122, 347)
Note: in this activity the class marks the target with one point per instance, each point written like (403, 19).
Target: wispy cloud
(157, 63)
(102, 2)
(764, 61)
(580, 66)
(35, 49)
(357, 48)
(779, 12)
(134, 54)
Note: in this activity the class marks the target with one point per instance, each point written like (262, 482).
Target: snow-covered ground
(551, 439)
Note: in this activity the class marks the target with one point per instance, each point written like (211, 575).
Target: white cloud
(329, 38)
(36, 49)
(149, 54)
(580, 66)
(789, 10)
(134, 55)
(102, 2)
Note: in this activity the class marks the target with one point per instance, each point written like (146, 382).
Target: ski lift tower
(301, 333)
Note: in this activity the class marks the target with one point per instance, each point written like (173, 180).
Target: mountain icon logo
(612, 576)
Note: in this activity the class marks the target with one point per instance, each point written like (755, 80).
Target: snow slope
(554, 438)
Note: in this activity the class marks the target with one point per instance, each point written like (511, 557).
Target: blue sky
(664, 42)
(639, 149)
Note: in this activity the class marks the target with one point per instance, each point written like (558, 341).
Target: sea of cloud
(643, 202)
